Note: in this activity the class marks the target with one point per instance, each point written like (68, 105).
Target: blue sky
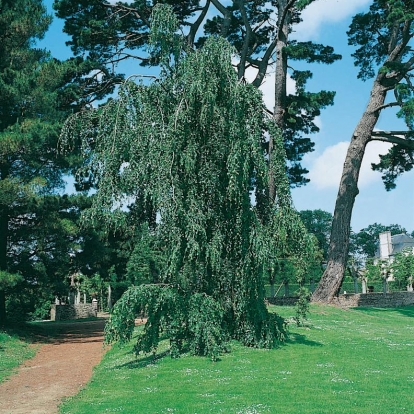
(326, 21)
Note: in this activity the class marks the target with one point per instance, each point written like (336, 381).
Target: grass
(358, 360)
(13, 351)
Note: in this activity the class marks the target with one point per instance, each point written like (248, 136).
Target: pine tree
(384, 35)
(30, 119)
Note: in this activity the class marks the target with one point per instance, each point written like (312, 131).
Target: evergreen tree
(384, 35)
(44, 240)
(30, 122)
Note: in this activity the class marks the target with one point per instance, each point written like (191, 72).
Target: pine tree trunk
(280, 86)
(348, 190)
(4, 232)
(3, 263)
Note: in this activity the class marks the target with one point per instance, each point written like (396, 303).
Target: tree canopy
(106, 34)
(192, 143)
(318, 222)
(32, 109)
(378, 35)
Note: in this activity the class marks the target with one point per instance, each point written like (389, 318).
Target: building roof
(400, 242)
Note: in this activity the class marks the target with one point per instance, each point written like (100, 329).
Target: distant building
(391, 245)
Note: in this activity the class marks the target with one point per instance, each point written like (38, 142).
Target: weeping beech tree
(192, 143)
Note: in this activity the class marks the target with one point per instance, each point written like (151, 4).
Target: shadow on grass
(57, 332)
(296, 338)
(144, 361)
(403, 310)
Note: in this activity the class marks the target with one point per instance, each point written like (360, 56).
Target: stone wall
(283, 300)
(67, 312)
(379, 300)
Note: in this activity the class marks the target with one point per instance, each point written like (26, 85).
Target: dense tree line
(38, 227)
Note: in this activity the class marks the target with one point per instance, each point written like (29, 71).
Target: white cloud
(325, 171)
(322, 12)
(268, 86)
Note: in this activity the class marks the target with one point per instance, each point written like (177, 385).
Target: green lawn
(347, 361)
(13, 352)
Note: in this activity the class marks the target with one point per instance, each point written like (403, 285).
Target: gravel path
(61, 367)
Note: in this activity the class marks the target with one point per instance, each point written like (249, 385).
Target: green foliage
(318, 222)
(397, 161)
(146, 260)
(403, 267)
(382, 36)
(164, 41)
(9, 280)
(192, 144)
(103, 34)
(287, 234)
(366, 242)
(44, 235)
(311, 52)
(372, 270)
(190, 322)
(30, 116)
(373, 30)
(302, 306)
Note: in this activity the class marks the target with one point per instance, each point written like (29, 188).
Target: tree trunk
(348, 190)
(3, 262)
(272, 289)
(109, 301)
(364, 285)
(355, 285)
(4, 230)
(280, 86)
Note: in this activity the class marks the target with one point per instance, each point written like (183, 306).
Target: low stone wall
(379, 300)
(67, 312)
(283, 300)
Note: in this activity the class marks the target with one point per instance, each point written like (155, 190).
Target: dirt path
(61, 367)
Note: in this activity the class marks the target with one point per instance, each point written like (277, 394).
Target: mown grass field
(13, 351)
(346, 361)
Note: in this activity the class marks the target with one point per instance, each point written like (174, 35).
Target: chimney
(385, 245)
